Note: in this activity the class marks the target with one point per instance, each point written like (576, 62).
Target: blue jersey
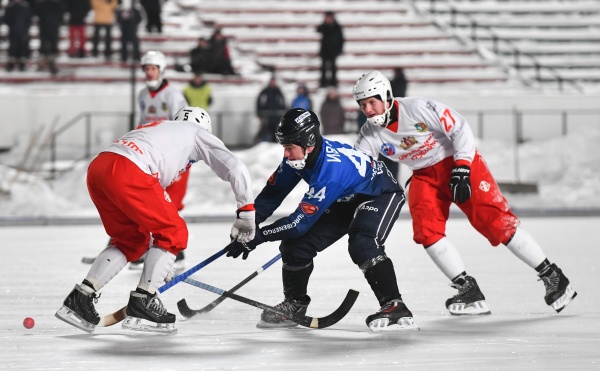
(339, 173)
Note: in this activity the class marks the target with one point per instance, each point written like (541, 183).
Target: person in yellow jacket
(104, 18)
(198, 92)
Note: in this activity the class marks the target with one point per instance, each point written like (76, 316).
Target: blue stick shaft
(190, 271)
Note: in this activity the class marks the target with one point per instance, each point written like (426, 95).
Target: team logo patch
(167, 197)
(408, 142)
(421, 128)
(388, 149)
(151, 109)
(484, 186)
(308, 209)
(165, 108)
(272, 179)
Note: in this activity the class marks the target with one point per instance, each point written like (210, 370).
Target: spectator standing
(78, 11)
(104, 19)
(270, 105)
(332, 45)
(129, 18)
(201, 57)
(399, 83)
(153, 15)
(221, 58)
(18, 17)
(50, 15)
(198, 92)
(302, 99)
(332, 113)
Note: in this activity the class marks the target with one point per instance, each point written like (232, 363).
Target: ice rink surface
(40, 265)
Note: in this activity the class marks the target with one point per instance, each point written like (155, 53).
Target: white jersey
(161, 104)
(424, 133)
(167, 149)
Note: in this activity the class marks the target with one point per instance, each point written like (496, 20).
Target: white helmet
(155, 58)
(373, 84)
(196, 115)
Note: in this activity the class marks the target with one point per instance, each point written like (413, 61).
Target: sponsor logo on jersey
(284, 227)
(308, 209)
(484, 186)
(151, 109)
(407, 142)
(418, 153)
(388, 149)
(302, 117)
(167, 197)
(421, 128)
(272, 179)
(165, 108)
(430, 105)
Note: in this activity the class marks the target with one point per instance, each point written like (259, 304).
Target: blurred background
(525, 73)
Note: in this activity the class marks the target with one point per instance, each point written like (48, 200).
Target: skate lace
(551, 282)
(156, 305)
(93, 299)
(462, 290)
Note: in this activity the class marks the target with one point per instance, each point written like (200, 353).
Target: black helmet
(298, 126)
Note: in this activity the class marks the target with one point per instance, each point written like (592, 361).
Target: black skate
(469, 300)
(273, 320)
(559, 292)
(393, 316)
(147, 313)
(78, 310)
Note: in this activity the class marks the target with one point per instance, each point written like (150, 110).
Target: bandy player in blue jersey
(349, 193)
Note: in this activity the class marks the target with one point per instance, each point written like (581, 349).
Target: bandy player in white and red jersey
(437, 144)
(159, 101)
(127, 184)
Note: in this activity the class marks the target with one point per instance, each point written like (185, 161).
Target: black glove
(460, 183)
(236, 248)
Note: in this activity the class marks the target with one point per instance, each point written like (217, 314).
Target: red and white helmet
(196, 115)
(374, 84)
(158, 59)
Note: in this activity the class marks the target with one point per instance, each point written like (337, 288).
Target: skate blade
(72, 318)
(403, 324)
(476, 308)
(142, 325)
(564, 300)
(270, 325)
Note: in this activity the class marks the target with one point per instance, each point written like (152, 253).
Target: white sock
(526, 248)
(157, 266)
(110, 262)
(446, 257)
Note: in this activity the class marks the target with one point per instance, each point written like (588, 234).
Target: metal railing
(474, 30)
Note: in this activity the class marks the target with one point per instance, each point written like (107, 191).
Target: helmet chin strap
(381, 120)
(154, 84)
(298, 164)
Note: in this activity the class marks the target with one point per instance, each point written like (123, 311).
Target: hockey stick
(306, 321)
(118, 316)
(188, 312)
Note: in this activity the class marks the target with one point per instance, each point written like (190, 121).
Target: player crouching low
(127, 184)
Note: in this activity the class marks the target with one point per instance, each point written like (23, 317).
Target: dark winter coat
(270, 101)
(333, 116)
(78, 11)
(129, 20)
(18, 17)
(332, 40)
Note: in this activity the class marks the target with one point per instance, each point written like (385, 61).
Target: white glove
(244, 227)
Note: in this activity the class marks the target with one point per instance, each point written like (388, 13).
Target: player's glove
(244, 227)
(236, 248)
(460, 183)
